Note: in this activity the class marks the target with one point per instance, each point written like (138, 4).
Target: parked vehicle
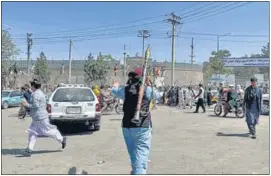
(74, 103)
(265, 104)
(11, 98)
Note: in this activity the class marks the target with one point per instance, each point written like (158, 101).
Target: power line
(192, 5)
(103, 26)
(219, 7)
(208, 39)
(127, 28)
(231, 35)
(204, 17)
(201, 9)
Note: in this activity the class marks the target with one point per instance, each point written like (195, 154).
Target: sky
(106, 26)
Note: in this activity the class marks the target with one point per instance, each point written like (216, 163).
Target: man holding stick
(137, 136)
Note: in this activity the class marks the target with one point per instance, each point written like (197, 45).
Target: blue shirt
(119, 92)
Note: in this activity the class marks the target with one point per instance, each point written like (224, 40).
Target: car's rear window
(73, 94)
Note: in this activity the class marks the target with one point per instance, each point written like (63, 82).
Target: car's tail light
(98, 107)
(49, 108)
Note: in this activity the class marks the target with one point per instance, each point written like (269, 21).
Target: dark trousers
(252, 128)
(200, 103)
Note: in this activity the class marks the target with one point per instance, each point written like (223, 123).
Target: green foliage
(41, 71)
(248, 72)
(97, 70)
(8, 51)
(265, 50)
(215, 64)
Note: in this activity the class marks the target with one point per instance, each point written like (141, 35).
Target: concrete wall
(182, 77)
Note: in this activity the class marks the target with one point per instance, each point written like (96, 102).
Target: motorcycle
(119, 107)
(110, 105)
(239, 113)
(22, 112)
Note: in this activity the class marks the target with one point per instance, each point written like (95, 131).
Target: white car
(265, 104)
(74, 103)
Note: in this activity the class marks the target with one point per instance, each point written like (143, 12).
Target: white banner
(246, 62)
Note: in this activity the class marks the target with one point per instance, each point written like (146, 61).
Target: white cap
(231, 85)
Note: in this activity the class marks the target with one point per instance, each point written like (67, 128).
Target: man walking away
(200, 102)
(252, 103)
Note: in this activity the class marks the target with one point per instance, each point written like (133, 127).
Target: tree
(90, 56)
(41, 71)
(265, 53)
(8, 51)
(215, 64)
(265, 50)
(97, 70)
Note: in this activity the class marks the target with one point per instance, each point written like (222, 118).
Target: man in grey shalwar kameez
(40, 125)
(252, 103)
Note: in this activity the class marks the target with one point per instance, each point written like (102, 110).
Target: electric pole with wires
(124, 61)
(144, 34)
(192, 53)
(29, 45)
(174, 20)
(70, 61)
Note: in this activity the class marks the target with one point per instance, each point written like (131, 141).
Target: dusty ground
(183, 143)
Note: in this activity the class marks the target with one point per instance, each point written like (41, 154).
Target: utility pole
(144, 34)
(192, 53)
(29, 45)
(217, 44)
(174, 20)
(124, 61)
(70, 61)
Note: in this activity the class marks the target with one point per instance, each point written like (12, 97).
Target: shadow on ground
(73, 170)
(115, 119)
(233, 134)
(229, 117)
(19, 151)
(74, 129)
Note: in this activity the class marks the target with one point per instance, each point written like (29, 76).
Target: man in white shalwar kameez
(181, 98)
(40, 125)
(189, 97)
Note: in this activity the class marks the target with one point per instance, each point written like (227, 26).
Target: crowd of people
(137, 136)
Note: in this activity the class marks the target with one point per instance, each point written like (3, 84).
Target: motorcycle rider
(220, 89)
(240, 92)
(105, 97)
(231, 100)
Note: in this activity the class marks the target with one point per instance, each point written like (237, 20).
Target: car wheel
(265, 108)
(5, 105)
(97, 126)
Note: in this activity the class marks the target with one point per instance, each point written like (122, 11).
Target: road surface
(183, 143)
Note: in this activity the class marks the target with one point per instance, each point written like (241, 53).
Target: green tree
(265, 53)
(41, 71)
(215, 64)
(265, 50)
(90, 56)
(97, 70)
(8, 51)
